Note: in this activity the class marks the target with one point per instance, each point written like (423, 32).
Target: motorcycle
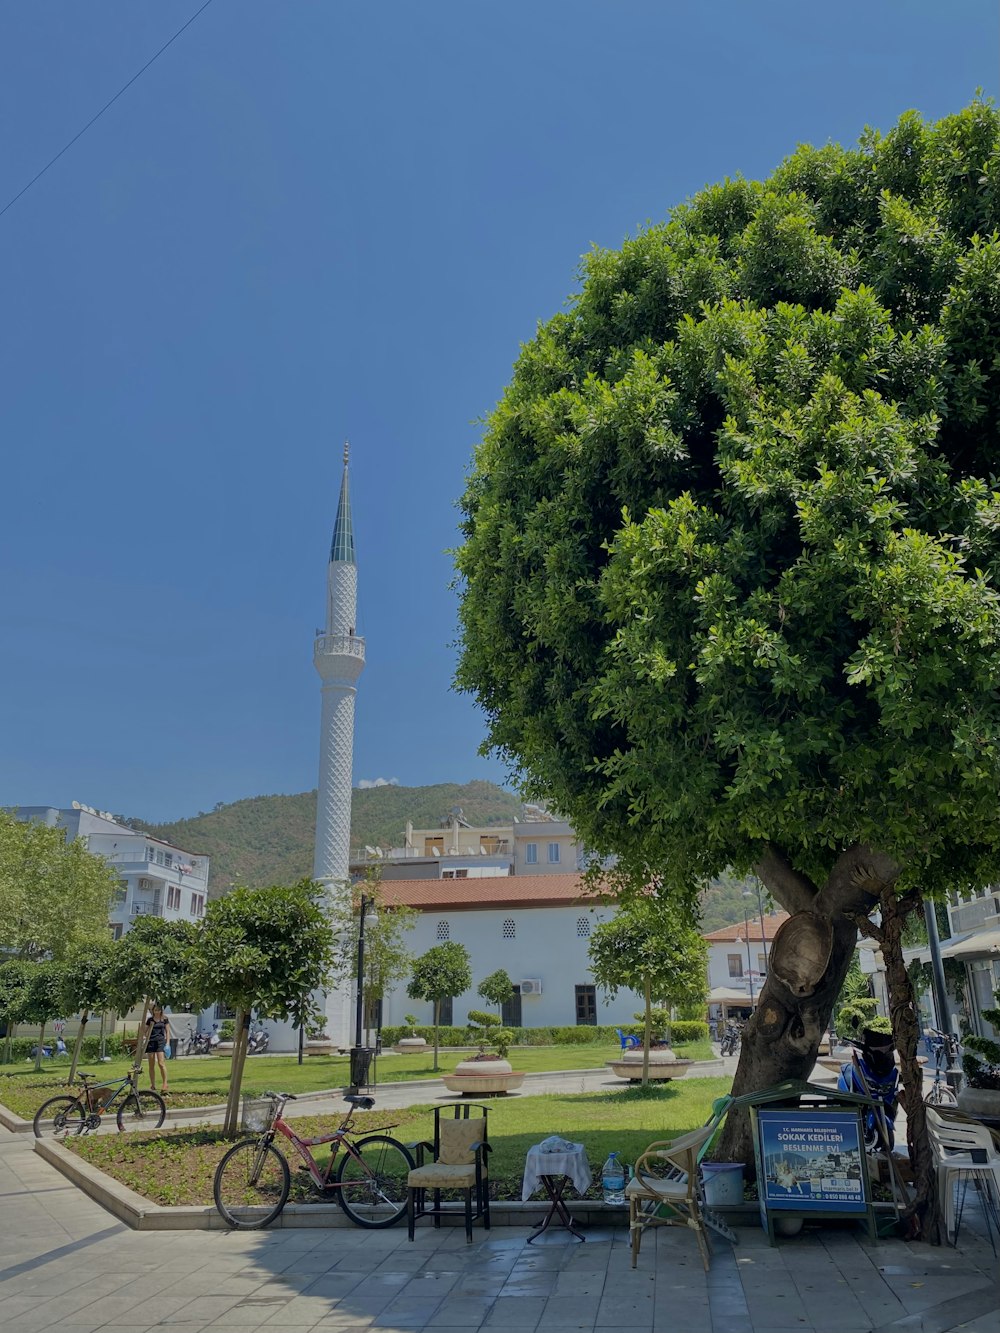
(258, 1042)
(731, 1036)
(872, 1073)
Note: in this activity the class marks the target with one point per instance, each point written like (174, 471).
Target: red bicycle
(253, 1180)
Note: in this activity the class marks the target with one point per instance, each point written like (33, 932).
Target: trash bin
(361, 1060)
(723, 1182)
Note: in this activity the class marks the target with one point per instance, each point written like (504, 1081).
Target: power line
(105, 107)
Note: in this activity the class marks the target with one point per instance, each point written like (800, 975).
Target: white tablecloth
(573, 1164)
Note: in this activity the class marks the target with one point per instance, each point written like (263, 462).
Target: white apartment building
(155, 878)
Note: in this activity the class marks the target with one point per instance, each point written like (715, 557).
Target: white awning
(972, 944)
(723, 995)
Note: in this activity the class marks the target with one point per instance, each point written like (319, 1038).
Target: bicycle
(138, 1108)
(253, 1181)
(945, 1048)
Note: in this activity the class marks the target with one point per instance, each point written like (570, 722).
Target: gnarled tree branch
(789, 887)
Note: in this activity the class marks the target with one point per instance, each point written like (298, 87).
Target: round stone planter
(663, 1065)
(980, 1103)
(482, 1078)
(318, 1046)
(410, 1045)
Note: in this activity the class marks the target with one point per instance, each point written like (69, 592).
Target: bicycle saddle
(361, 1103)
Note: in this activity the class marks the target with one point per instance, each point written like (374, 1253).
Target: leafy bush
(447, 1036)
(22, 1047)
(683, 1030)
(227, 1029)
(981, 1061)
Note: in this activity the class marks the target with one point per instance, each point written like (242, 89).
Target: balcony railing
(331, 645)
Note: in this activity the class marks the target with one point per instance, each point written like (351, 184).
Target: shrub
(447, 1036)
(227, 1029)
(684, 1030)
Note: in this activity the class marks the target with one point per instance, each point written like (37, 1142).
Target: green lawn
(176, 1166)
(203, 1080)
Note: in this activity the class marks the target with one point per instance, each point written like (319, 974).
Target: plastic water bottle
(613, 1180)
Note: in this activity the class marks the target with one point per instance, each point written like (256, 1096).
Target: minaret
(339, 656)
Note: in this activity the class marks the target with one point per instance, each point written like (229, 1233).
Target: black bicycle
(137, 1108)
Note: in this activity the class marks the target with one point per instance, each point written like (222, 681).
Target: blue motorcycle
(872, 1073)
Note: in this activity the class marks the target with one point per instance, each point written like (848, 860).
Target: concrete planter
(663, 1065)
(410, 1045)
(980, 1103)
(482, 1078)
(319, 1046)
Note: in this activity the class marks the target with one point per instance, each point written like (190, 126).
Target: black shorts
(153, 1047)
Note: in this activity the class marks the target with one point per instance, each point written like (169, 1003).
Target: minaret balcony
(339, 645)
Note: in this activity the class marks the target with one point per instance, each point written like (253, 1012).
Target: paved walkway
(66, 1264)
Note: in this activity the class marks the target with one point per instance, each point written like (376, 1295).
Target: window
(553, 853)
(583, 926)
(120, 894)
(173, 896)
(510, 1010)
(509, 929)
(168, 858)
(116, 931)
(197, 903)
(586, 1005)
(443, 933)
(735, 965)
(223, 1011)
(446, 1016)
(531, 853)
(461, 874)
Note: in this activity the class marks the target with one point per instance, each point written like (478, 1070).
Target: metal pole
(954, 1072)
(360, 1000)
(763, 932)
(746, 928)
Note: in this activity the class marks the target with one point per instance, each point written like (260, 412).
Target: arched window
(443, 933)
(509, 929)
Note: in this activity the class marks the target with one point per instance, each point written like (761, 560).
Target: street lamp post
(367, 918)
(748, 893)
(746, 935)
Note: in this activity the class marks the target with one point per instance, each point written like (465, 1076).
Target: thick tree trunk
(905, 1034)
(78, 1045)
(809, 959)
(240, 1036)
(141, 1037)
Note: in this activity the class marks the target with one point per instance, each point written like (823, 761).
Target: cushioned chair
(458, 1165)
(666, 1190)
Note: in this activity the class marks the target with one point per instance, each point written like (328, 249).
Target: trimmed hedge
(22, 1047)
(682, 1030)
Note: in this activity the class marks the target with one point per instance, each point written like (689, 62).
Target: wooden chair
(458, 1164)
(666, 1190)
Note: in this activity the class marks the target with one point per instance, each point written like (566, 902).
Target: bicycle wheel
(142, 1110)
(252, 1184)
(941, 1094)
(372, 1179)
(58, 1118)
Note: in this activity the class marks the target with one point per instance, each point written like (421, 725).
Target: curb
(142, 1215)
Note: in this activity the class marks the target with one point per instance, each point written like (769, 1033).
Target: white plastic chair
(954, 1142)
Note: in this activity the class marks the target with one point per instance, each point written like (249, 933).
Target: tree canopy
(53, 893)
(732, 536)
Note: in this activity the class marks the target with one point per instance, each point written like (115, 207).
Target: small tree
(15, 977)
(653, 948)
(496, 989)
(265, 950)
(156, 962)
(489, 1031)
(439, 973)
(43, 999)
(85, 987)
(981, 1061)
(387, 957)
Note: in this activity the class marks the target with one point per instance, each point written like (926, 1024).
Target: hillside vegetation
(269, 839)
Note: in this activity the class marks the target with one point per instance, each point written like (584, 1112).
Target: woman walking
(159, 1036)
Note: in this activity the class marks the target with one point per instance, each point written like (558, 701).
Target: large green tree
(731, 546)
(53, 893)
(655, 949)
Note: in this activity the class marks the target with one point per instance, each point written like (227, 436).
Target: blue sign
(811, 1161)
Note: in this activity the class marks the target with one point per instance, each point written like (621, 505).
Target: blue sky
(312, 220)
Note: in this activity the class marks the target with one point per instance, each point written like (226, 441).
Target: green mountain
(269, 839)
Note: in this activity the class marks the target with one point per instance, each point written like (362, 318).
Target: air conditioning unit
(533, 986)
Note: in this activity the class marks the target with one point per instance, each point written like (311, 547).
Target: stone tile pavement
(66, 1264)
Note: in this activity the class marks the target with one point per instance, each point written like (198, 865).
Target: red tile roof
(489, 891)
(729, 934)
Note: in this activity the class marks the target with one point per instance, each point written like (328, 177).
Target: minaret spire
(339, 657)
